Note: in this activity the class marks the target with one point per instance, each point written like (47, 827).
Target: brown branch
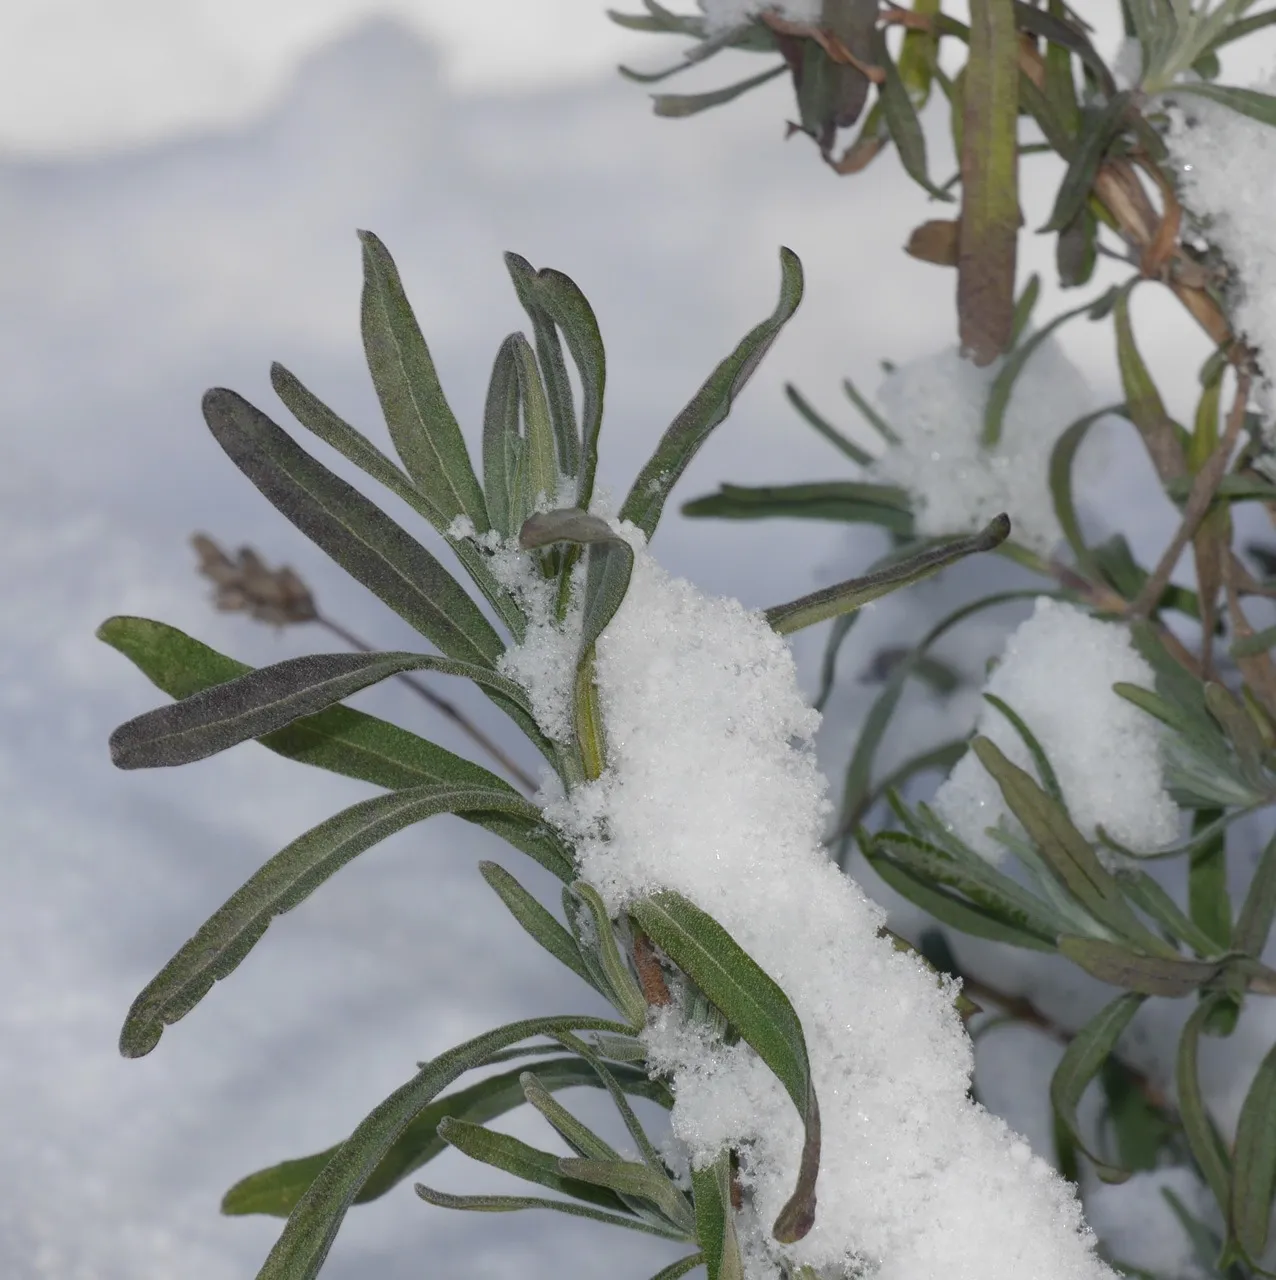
(651, 977)
(1204, 489)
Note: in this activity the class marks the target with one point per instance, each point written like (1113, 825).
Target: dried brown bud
(277, 596)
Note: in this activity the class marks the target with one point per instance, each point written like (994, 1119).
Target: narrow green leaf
(1035, 749)
(758, 1010)
(579, 1136)
(1148, 895)
(1144, 405)
(988, 234)
(422, 426)
(948, 908)
(1243, 28)
(1024, 305)
(1062, 457)
(901, 119)
(1098, 128)
(1245, 102)
(709, 406)
(510, 1155)
(688, 104)
(676, 1270)
(536, 477)
(621, 983)
(1250, 646)
(535, 919)
(1081, 1062)
(502, 443)
(1142, 1128)
(1254, 1162)
(855, 502)
(870, 415)
(1060, 83)
(284, 881)
(1158, 975)
(715, 1219)
(315, 1220)
(1254, 922)
(611, 561)
(511, 1204)
(268, 698)
(1059, 30)
(355, 533)
(826, 428)
(828, 664)
(1203, 1138)
(1067, 854)
(829, 602)
(1207, 897)
(640, 1181)
(658, 18)
(276, 1190)
(1077, 250)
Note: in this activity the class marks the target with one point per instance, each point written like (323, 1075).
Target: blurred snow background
(179, 188)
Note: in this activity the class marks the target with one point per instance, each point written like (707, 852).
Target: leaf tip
(139, 1036)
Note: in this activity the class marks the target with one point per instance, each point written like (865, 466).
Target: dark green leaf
(422, 426)
(1024, 304)
(758, 1010)
(535, 919)
(870, 415)
(1254, 922)
(536, 477)
(676, 1270)
(315, 1220)
(639, 1181)
(715, 1219)
(276, 1190)
(1207, 898)
(1143, 401)
(1244, 27)
(826, 428)
(1098, 128)
(854, 594)
(1148, 895)
(828, 666)
(1058, 30)
(621, 984)
(709, 406)
(1203, 1138)
(1254, 1162)
(511, 1204)
(688, 104)
(284, 881)
(1067, 854)
(658, 18)
(355, 533)
(1035, 749)
(1081, 1062)
(1077, 250)
(854, 502)
(527, 1162)
(1061, 460)
(1158, 975)
(502, 443)
(268, 698)
(901, 118)
(1141, 1127)
(1060, 83)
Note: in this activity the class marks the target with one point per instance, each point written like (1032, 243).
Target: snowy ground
(129, 282)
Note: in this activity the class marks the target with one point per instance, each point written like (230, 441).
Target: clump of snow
(544, 664)
(1057, 673)
(936, 405)
(721, 15)
(1227, 179)
(712, 789)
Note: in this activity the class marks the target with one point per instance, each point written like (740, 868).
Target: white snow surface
(1227, 176)
(1057, 673)
(712, 790)
(936, 405)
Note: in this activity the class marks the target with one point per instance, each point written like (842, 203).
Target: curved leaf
(821, 424)
(758, 1010)
(355, 533)
(848, 500)
(709, 406)
(315, 1220)
(501, 441)
(1061, 459)
(285, 880)
(422, 426)
(276, 1190)
(1246, 102)
(536, 475)
(688, 104)
(511, 1204)
(1254, 1161)
(535, 919)
(901, 118)
(857, 592)
(638, 1181)
(715, 1220)
(1254, 922)
(1203, 1138)
(268, 698)
(1081, 1061)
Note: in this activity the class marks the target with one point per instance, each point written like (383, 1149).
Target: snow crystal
(712, 789)
(1227, 178)
(1057, 674)
(721, 15)
(936, 405)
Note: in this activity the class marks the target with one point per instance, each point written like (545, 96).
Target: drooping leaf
(688, 104)
(1254, 1162)
(355, 533)
(1081, 1062)
(758, 1010)
(709, 406)
(316, 1218)
(989, 231)
(276, 1190)
(854, 594)
(539, 923)
(422, 426)
(268, 698)
(901, 118)
(855, 502)
(285, 880)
